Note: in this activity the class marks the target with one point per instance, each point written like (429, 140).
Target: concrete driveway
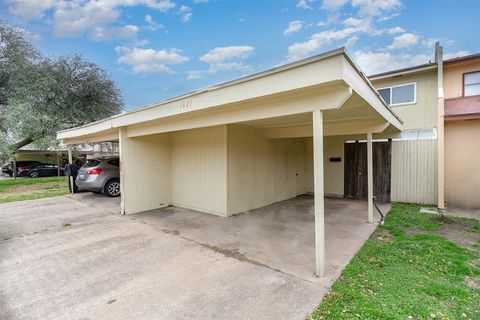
(156, 265)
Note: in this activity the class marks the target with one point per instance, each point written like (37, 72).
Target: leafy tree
(39, 96)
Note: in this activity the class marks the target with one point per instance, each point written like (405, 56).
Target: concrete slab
(157, 265)
(279, 236)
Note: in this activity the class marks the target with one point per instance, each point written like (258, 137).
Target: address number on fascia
(186, 104)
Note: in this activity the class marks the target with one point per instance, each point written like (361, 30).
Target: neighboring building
(461, 79)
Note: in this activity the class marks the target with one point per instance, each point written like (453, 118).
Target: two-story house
(439, 131)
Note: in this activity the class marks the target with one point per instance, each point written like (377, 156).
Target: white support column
(370, 176)
(122, 141)
(319, 193)
(70, 161)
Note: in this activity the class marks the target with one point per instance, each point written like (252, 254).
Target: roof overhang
(402, 72)
(323, 82)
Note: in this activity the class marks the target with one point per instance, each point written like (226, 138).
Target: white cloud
(149, 60)
(199, 1)
(406, 40)
(457, 54)
(374, 62)
(376, 8)
(185, 13)
(84, 17)
(112, 33)
(304, 4)
(293, 27)
(220, 58)
(29, 9)
(301, 50)
(151, 24)
(221, 54)
(194, 74)
(396, 30)
(334, 4)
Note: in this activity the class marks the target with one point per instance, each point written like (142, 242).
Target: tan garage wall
(414, 171)
(333, 147)
(263, 171)
(198, 160)
(146, 173)
(462, 154)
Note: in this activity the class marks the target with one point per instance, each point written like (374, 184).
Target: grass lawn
(29, 188)
(416, 266)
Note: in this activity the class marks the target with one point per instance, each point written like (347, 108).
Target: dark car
(40, 170)
(8, 168)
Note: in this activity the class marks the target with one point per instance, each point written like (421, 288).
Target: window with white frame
(471, 84)
(399, 95)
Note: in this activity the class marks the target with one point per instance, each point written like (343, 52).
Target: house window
(471, 84)
(399, 95)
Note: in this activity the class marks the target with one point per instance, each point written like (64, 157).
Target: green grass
(29, 188)
(404, 271)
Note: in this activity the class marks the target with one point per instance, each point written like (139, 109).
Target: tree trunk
(22, 143)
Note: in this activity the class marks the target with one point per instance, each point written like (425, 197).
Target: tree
(39, 96)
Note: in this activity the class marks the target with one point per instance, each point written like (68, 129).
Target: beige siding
(198, 169)
(462, 154)
(414, 171)
(453, 77)
(263, 171)
(146, 173)
(334, 171)
(422, 114)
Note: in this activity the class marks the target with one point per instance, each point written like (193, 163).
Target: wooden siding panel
(462, 154)
(414, 176)
(199, 169)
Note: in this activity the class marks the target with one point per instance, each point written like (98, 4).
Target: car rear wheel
(112, 188)
(33, 174)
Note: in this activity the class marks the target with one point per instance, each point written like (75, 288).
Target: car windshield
(91, 163)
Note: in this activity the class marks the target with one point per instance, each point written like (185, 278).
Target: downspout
(440, 129)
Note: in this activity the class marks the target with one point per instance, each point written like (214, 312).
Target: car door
(42, 170)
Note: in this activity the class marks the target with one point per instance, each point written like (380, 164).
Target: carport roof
(107, 129)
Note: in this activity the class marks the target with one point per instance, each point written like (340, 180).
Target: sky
(158, 49)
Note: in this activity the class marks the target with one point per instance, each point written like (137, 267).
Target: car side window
(114, 162)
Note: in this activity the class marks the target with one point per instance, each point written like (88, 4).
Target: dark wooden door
(356, 181)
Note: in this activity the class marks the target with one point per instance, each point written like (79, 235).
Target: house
(318, 126)
(461, 82)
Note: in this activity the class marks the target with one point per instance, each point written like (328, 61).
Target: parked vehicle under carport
(100, 175)
(8, 168)
(40, 170)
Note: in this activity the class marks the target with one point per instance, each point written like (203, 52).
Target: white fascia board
(88, 129)
(364, 88)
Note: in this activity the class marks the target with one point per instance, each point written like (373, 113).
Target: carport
(246, 143)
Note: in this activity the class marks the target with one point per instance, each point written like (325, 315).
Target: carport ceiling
(355, 110)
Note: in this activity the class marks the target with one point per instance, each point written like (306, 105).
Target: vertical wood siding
(146, 177)
(263, 171)
(199, 168)
(462, 173)
(414, 171)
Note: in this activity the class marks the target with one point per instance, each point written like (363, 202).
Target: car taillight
(95, 171)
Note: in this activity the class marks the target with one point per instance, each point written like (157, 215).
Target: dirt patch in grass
(383, 235)
(457, 231)
(472, 282)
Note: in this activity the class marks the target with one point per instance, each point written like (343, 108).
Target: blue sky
(156, 49)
